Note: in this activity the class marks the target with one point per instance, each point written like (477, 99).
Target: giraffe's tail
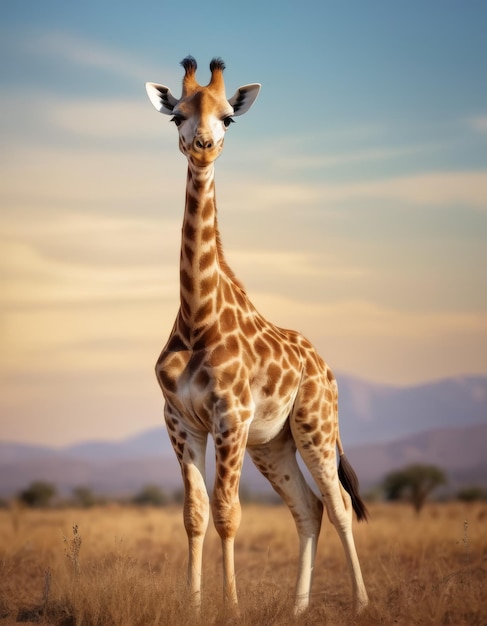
(349, 480)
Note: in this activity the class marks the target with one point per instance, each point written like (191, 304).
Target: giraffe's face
(202, 114)
(202, 120)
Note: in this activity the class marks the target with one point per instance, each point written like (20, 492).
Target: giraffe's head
(202, 114)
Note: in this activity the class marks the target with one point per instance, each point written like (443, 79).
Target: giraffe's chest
(176, 371)
(206, 385)
(198, 390)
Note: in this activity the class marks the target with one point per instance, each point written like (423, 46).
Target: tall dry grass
(126, 566)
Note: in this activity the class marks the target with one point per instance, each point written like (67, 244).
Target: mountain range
(383, 428)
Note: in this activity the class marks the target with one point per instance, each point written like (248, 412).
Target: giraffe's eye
(227, 121)
(177, 119)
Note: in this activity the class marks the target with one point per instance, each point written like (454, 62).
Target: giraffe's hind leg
(319, 454)
(276, 460)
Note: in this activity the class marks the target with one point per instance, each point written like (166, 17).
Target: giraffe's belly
(270, 415)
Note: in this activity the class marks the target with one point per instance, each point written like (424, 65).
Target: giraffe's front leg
(230, 445)
(196, 515)
(190, 449)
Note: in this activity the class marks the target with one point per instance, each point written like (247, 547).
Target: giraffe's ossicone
(227, 372)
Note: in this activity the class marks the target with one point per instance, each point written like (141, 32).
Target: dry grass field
(125, 566)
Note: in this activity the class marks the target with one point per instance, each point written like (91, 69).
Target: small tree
(151, 495)
(84, 497)
(472, 494)
(38, 494)
(414, 482)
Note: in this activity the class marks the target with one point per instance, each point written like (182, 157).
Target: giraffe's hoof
(232, 611)
(360, 605)
(300, 606)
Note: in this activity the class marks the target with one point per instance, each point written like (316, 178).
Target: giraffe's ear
(244, 98)
(161, 97)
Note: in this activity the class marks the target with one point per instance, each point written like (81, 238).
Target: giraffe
(228, 373)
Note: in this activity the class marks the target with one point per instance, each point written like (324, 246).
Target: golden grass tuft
(126, 566)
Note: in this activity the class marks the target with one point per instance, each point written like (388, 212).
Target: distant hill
(112, 468)
(383, 428)
(460, 451)
(375, 413)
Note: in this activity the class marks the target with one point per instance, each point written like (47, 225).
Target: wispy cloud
(96, 179)
(120, 119)
(478, 124)
(32, 279)
(428, 189)
(103, 118)
(309, 162)
(360, 318)
(291, 264)
(88, 53)
(435, 189)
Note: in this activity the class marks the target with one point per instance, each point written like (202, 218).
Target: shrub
(414, 483)
(151, 495)
(39, 494)
(472, 494)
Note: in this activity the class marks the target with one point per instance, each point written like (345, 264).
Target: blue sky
(352, 197)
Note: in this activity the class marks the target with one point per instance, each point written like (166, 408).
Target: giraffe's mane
(223, 263)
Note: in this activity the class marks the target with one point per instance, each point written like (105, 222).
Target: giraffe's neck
(202, 264)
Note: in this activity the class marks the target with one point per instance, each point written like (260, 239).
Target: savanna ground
(117, 565)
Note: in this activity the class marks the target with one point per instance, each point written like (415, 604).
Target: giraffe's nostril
(203, 144)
